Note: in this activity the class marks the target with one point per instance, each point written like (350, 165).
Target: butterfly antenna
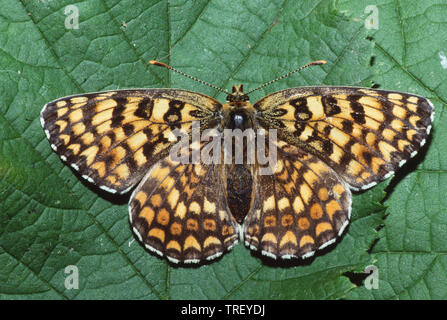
(313, 63)
(161, 64)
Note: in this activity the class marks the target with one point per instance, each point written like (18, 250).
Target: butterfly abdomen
(239, 190)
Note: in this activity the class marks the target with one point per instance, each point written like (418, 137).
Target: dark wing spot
(328, 147)
(367, 156)
(198, 114)
(173, 115)
(302, 111)
(330, 106)
(144, 109)
(358, 113)
(279, 112)
(128, 129)
(117, 117)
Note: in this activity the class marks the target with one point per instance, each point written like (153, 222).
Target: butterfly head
(237, 96)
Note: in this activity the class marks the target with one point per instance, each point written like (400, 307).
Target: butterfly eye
(230, 98)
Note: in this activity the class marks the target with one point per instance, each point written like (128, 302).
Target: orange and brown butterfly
(330, 140)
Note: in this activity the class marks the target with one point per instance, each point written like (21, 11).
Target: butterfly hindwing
(112, 138)
(180, 211)
(363, 134)
(300, 208)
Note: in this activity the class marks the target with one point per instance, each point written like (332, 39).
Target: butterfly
(328, 140)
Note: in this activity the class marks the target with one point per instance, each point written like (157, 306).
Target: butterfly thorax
(238, 113)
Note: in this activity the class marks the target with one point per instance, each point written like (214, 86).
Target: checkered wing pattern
(300, 208)
(112, 138)
(363, 134)
(180, 211)
(330, 140)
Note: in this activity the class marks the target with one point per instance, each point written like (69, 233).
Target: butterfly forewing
(363, 134)
(113, 137)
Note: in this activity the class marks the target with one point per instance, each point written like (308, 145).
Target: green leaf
(50, 218)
